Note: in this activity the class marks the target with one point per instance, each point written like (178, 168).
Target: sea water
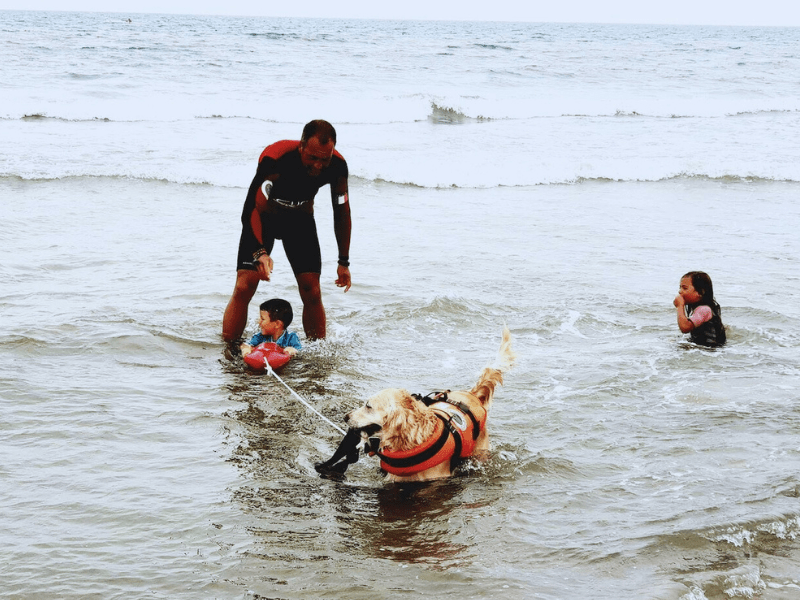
(556, 178)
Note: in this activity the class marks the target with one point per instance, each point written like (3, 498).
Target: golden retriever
(400, 425)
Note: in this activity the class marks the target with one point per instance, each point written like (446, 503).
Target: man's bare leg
(314, 321)
(235, 319)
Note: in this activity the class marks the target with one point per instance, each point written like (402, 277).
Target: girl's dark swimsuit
(710, 333)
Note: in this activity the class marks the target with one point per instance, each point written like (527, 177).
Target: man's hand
(265, 264)
(343, 277)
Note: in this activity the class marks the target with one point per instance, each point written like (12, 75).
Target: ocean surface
(556, 178)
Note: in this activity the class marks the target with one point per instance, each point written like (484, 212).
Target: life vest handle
(442, 396)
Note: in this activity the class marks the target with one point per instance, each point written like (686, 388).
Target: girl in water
(698, 313)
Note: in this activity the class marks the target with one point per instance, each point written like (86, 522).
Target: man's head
(316, 146)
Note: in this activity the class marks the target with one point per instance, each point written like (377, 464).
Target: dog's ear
(400, 428)
(401, 405)
(407, 401)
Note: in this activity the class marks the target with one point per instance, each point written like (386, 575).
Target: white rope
(323, 417)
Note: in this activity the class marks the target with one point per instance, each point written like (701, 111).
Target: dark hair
(322, 130)
(701, 282)
(278, 310)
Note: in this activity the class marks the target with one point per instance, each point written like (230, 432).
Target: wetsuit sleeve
(254, 222)
(339, 181)
(342, 222)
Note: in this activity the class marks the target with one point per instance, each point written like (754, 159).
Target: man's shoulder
(339, 164)
(279, 149)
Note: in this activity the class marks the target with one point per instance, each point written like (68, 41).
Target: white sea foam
(429, 104)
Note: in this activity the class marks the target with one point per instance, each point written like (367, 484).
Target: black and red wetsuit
(290, 211)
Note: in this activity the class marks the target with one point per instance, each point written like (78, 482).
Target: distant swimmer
(698, 312)
(280, 205)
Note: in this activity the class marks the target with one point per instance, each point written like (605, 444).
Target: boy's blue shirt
(289, 338)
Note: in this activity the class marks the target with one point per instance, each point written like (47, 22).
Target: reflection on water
(411, 523)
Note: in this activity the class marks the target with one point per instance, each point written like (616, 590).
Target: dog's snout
(347, 418)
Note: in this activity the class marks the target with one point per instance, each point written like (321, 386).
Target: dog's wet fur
(405, 422)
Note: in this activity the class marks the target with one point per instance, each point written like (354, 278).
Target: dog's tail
(492, 376)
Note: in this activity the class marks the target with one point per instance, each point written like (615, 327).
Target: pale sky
(681, 12)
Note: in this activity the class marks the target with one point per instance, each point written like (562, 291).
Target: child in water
(275, 317)
(698, 313)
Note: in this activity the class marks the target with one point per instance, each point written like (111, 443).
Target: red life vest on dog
(454, 437)
(269, 352)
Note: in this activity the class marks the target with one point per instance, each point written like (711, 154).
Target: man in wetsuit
(280, 205)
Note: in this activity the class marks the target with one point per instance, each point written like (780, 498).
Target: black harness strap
(432, 397)
(456, 458)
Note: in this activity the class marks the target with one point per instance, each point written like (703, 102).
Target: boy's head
(278, 310)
